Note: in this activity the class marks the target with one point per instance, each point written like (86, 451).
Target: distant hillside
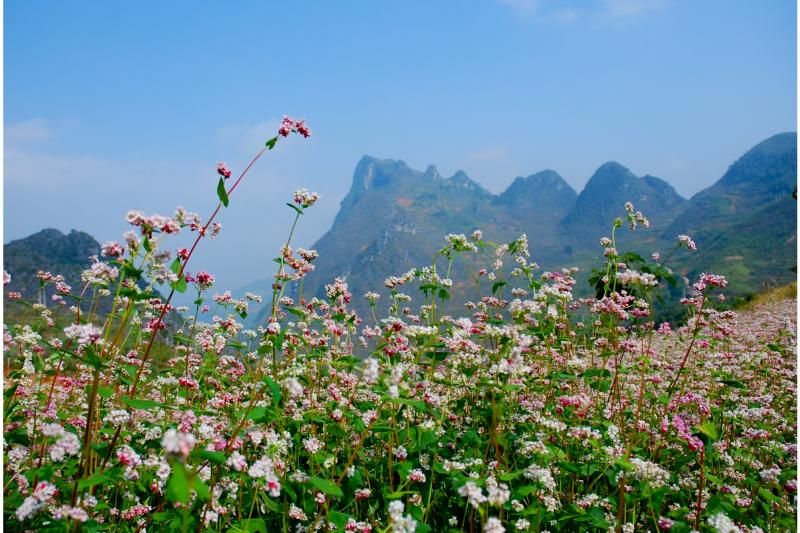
(607, 190)
(745, 224)
(52, 251)
(395, 218)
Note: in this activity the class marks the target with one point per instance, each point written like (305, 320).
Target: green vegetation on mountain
(395, 218)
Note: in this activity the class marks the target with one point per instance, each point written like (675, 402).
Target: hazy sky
(111, 106)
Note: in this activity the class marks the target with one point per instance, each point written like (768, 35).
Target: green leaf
(254, 525)
(176, 265)
(93, 480)
(768, 495)
(328, 487)
(592, 372)
(339, 519)
(222, 193)
(511, 476)
(271, 143)
(257, 413)
(297, 209)
(105, 392)
(496, 285)
(179, 285)
(201, 488)
(708, 429)
(214, 457)
(524, 491)
(275, 389)
(735, 383)
(623, 464)
(137, 403)
(178, 484)
(396, 495)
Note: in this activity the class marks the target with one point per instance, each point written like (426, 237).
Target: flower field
(534, 410)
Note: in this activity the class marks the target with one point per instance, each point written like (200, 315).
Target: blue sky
(115, 106)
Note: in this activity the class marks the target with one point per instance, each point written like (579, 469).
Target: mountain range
(394, 218)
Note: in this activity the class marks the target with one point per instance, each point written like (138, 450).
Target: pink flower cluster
(290, 125)
(148, 224)
(223, 170)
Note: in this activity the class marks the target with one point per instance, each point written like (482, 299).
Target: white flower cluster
(67, 443)
(401, 523)
(542, 475)
(649, 472)
(723, 524)
(473, 494)
(633, 277)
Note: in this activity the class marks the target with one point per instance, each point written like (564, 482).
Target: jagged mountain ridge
(395, 218)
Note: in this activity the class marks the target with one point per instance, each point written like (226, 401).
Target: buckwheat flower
(287, 124)
(216, 227)
(473, 493)
(273, 486)
(223, 170)
(273, 328)
(770, 475)
(45, 491)
(498, 495)
(723, 524)
(262, 468)
(687, 241)
(493, 525)
(30, 506)
(477, 235)
(295, 388)
(296, 513)
(134, 512)
(522, 525)
(371, 370)
(99, 273)
(416, 476)
(52, 430)
(304, 198)
(112, 249)
(302, 129)
(84, 333)
(6, 278)
(542, 475)
(665, 523)
(369, 417)
(67, 444)
(312, 444)
(163, 471)
(177, 443)
(117, 417)
(74, 513)
(204, 280)
(649, 472)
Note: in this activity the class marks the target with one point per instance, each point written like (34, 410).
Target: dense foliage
(535, 411)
